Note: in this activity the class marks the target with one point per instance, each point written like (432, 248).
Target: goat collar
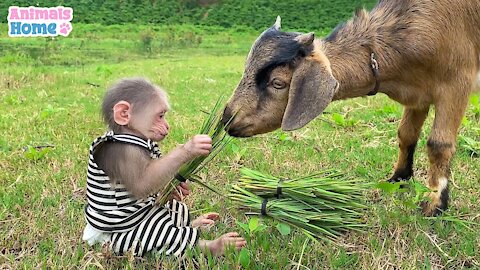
(374, 67)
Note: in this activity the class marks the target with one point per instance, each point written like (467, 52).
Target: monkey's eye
(278, 84)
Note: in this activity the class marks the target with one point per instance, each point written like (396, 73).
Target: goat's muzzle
(227, 117)
(233, 129)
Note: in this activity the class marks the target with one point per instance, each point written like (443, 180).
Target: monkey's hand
(205, 221)
(180, 192)
(199, 145)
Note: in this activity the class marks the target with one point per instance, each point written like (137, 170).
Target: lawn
(50, 95)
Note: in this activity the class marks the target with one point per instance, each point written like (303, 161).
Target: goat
(418, 52)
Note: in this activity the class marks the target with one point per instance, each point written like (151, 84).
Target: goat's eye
(278, 84)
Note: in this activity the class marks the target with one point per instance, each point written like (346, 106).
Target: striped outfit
(134, 224)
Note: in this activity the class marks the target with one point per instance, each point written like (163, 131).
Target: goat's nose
(227, 115)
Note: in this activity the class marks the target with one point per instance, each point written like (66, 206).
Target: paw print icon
(65, 29)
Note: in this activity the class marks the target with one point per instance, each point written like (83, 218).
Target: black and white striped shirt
(134, 224)
(111, 208)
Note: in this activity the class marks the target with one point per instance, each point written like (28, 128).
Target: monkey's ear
(122, 113)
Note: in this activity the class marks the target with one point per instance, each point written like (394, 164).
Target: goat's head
(287, 82)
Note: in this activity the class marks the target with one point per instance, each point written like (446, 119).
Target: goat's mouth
(247, 125)
(248, 130)
(234, 126)
(240, 131)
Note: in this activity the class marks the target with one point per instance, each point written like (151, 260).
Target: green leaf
(389, 187)
(234, 148)
(33, 154)
(339, 119)
(244, 258)
(283, 228)
(470, 144)
(260, 228)
(284, 137)
(420, 190)
(244, 226)
(253, 224)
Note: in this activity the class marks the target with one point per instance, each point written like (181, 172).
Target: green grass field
(50, 95)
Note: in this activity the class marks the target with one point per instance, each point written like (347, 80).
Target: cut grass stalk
(212, 126)
(322, 205)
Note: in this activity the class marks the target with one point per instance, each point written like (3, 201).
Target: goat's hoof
(395, 179)
(401, 175)
(429, 209)
(437, 204)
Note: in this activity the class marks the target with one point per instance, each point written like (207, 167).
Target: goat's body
(420, 44)
(429, 54)
(447, 51)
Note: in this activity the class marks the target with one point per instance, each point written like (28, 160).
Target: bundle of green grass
(212, 126)
(323, 205)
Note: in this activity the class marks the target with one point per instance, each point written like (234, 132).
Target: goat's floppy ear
(311, 90)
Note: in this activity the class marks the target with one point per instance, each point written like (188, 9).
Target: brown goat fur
(428, 54)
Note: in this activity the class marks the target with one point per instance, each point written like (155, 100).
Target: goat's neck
(351, 66)
(349, 49)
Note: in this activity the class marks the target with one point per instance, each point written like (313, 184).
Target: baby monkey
(126, 171)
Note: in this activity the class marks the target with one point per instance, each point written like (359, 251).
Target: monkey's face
(150, 120)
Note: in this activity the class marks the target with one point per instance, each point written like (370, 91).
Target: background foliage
(302, 14)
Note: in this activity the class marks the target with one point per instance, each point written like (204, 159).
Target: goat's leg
(441, 147)
(408, 134)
